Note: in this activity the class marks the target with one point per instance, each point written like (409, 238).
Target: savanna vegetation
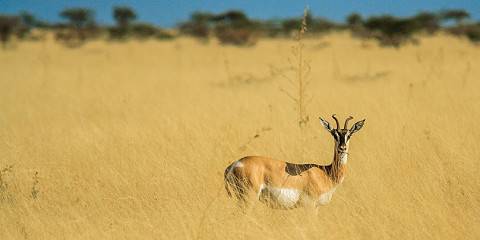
(236, 28)
(130, 140)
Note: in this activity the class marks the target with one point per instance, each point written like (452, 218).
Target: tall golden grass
(130, 140)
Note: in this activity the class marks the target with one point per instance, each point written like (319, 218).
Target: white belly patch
(326, 197)
(289, 197)
(284, 197)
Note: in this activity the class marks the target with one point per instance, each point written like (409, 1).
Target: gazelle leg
(259, 191)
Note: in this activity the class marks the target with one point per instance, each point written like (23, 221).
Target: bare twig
(302, 69)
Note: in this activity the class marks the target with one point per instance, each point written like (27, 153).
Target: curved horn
(346, 122)
(336, 120)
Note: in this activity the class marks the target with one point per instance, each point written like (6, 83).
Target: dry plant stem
(34, 191)
(466, 73)
(302, 72)
(301, 68)
(226, 64)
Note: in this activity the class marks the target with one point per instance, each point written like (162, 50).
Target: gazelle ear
(357, 126)
(326, 125)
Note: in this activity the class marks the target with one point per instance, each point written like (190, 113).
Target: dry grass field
(130, 140)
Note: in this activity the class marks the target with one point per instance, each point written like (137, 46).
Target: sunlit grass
(130, 140)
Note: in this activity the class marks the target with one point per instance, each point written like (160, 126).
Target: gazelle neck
(339, 165)
(341, 158)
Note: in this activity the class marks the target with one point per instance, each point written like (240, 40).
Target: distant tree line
(235, 27)
(79, 25)
(395, 31)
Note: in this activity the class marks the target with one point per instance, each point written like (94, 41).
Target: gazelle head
(342, 136)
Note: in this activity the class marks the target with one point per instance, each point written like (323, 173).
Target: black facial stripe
(335, 135)
(341, 137)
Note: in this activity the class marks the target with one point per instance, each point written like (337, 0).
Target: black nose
(343, 147)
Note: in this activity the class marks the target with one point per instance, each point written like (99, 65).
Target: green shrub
(143, 30)
(199, 25)
(235, 36)
(234, 27)
(9, 25)
(389, 30)
(471, 31)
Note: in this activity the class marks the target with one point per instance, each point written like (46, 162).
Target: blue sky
(167, 13)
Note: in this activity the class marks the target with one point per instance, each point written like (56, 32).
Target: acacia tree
(426, 21)
(390, 30)
(198, 25)
(7, 27)
(124, 16)
(26, 23)
(354, 20)
(79, 19)
(457, 15)
(233, 27)
(28, 19)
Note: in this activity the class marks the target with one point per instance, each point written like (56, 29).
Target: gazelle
(281, 184)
